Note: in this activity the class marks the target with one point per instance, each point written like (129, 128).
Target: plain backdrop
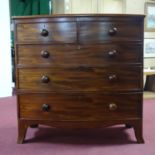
(5, 52)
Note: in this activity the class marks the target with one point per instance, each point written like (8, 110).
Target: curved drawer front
(71, 55)
(58, 32)
(99, 32)
(80, 106)
(82, 78)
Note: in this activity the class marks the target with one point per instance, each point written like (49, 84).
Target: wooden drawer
(82, 78)
(56, 32)
(71, 55)
(80, 106)
(101, 31)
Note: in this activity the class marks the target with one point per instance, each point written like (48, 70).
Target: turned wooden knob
(45, 54)
(44, 32)
(45, 79)
(112, 77)
(45, 107)
(113, 31)
(112, 106)
(112, 53)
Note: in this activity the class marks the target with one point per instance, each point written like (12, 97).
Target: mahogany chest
(79, 71)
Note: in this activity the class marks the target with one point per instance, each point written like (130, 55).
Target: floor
(149, 95)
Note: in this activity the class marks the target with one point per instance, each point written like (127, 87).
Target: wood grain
(80, 106)
(58, 32)
(75, 55)
(82, 78)
(79, 71)
(98, 32)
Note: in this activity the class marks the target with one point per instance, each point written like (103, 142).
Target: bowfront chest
(79, 71)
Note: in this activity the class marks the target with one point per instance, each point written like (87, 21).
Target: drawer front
(80, 106)
(82, 78)
(59, 32)
(99, 32)
(71, 55)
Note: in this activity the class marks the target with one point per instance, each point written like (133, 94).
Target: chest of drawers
(79, 71)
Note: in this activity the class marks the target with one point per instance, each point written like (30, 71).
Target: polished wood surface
(55, 32)
(79, 71)
(81, 78)
(85, 15)
(79, 106)
(75, 55)
(109, 31)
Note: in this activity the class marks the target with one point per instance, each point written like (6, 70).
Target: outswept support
(22, 129)
(138, 131)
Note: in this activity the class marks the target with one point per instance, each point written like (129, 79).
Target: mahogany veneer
(79, 71)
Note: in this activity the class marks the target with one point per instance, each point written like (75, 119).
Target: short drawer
(102, 31)
(56, 32)
(80, 106)
(82, 78)
(75, 55)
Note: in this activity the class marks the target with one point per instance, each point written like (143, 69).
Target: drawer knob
(45, 107)
(112, 53)
(45, 54)
(112, 106)
(113, 31)
(45, 79)
(44, 33)
(112, 77)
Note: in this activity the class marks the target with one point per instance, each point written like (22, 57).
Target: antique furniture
(79, 71)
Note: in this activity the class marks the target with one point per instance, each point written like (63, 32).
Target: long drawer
(80, 106)
(82, 78)
(74, 55)
(57, 32)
